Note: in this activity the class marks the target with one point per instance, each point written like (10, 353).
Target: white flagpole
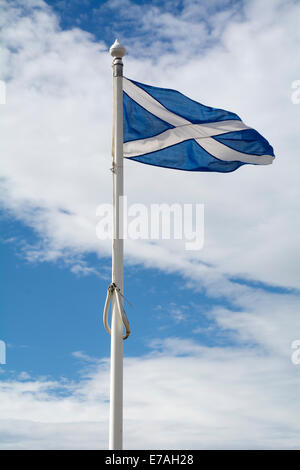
(116, 378)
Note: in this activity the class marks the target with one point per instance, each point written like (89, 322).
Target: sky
(211, 362)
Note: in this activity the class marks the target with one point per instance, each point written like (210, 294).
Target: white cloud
(56, 146)
(180, 395)
(187, 396)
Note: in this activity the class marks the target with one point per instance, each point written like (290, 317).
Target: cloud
(180, 394)
(226, 399)
(56, 171)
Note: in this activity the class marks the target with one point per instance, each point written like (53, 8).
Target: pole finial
(117, 50)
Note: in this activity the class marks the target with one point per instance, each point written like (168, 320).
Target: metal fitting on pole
(117, 51)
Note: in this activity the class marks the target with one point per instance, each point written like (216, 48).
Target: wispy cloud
(224, 398)
(241, 396)
(55, 147)
(57, 171)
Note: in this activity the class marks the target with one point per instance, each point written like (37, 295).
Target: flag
(163, 127)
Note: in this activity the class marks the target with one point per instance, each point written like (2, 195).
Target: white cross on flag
(165, 128)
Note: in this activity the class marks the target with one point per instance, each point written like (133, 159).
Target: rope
(112, 288)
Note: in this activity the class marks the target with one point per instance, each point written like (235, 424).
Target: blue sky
(65, 310)
(212, 329)
(108, 19)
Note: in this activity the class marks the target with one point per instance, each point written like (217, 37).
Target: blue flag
(163, 127)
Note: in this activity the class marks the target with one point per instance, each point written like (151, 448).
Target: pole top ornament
(117, 50)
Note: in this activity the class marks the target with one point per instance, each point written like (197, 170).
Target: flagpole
(116, 373)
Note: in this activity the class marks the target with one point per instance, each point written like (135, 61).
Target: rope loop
(111, 290)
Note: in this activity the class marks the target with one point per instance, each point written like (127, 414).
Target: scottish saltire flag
(163, 127)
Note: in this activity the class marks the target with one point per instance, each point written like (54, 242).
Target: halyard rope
(113, 288)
